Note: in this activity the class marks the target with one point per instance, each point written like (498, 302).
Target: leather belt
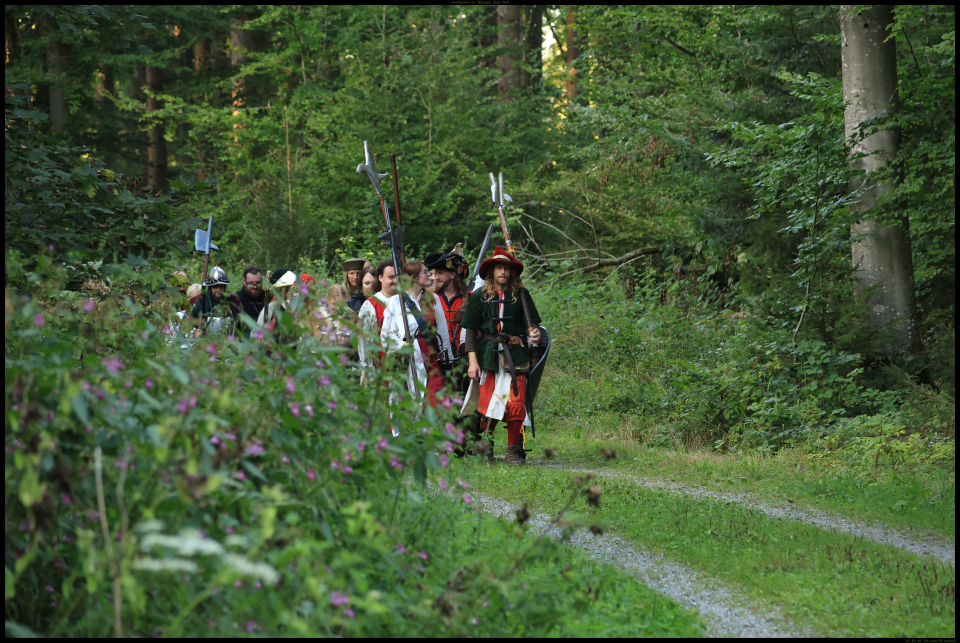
(506, 339)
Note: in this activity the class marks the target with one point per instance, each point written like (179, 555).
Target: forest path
(723, 612)
(939, 548)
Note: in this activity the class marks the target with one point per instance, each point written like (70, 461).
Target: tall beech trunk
(157, 150)
(136, 93)
(58, 112)
(508, 23)
(533, 41)
(883, 260)
(573, 52)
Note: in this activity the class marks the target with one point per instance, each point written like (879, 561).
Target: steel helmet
(216, 277)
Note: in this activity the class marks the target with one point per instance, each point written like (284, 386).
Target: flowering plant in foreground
(224, 476)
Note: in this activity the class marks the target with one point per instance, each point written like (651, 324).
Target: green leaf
(79, 405)
(69, 26)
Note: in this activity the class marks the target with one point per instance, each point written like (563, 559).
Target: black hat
(436, 260)
(276, 274)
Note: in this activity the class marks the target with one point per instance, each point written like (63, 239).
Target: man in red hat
(496, 344)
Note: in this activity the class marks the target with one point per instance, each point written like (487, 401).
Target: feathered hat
(500, 256)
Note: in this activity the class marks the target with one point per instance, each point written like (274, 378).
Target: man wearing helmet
(219, 313)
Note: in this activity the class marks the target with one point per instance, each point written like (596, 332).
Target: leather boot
(515, 454)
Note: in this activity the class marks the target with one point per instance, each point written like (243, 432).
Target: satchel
(519, 369)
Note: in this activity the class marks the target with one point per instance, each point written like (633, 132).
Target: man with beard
(450, 270)
(496, 343)
(252, 297)
(219, 313)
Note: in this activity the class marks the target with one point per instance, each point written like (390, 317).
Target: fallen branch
(613, 262)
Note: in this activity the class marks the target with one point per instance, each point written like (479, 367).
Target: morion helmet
(216, 277)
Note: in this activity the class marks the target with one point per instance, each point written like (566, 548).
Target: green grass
(924, 501)
(835, 583)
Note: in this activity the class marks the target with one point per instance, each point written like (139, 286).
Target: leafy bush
(238, 487)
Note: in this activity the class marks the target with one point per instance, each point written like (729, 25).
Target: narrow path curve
(941, 549)
(723, 614)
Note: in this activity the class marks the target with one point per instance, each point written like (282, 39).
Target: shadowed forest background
(687, 197)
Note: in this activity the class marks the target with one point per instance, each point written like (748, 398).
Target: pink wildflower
(257, 334)
(291, 385)
(467, 499)
(215, 441)
(238, 583)
(112, 364)
(400, 548)
(324, 381)
(422, 555)
(149, 382)
(335, 465)
(347, 469)
(460, 437)
(309, 409)
(395, 463)
(449, 428)
(251, 626)
(447, 402)
(344, 360)
(332, 406)
(258, 584)
(240, 475)
(88, 306)
(443, 485)
(311, 475)
(360, 447)
(295, 409)
(285, 459)
(38, 320)
(230, 436)
(182, 407)
(65, 499)
(229, 529)
(212, 349)
(448, 447)
(338, 599)
(255, 449)
(349, 613)
(444, 460)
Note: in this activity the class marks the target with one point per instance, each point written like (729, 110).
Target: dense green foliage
(712, 136)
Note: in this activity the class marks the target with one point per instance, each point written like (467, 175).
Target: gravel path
(940, 549)
(722, 613)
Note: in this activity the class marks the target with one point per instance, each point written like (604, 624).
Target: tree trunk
(157, 151)
(241, 41)
(573, 52)
(534, 46)
(508, 23)
(883, 260)
(58, 112)
(136, 93)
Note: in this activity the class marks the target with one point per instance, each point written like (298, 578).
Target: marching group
(490, 326)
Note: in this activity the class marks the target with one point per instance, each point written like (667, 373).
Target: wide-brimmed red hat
(500, 256)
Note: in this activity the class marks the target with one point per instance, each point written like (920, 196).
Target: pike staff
(201, 240)
(496, 190)
(393, 236)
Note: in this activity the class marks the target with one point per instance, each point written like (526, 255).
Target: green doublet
(481, 315)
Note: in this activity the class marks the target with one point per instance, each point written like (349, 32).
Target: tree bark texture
(58, 112)
(241, 41)
(573, 52)
(157, 150)
(533, 38)
(883, 260)
(508, 23)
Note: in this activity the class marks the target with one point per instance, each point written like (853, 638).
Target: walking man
(450, 271)
(251, 297)
(496, 344)
(427, 330)
(371, 312)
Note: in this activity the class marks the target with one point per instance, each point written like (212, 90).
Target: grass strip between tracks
(922, 501)
(838, 584)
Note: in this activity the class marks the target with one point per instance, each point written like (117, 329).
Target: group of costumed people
(470, 340)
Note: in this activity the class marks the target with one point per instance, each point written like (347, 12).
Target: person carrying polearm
(427, 327)
(497, 345)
